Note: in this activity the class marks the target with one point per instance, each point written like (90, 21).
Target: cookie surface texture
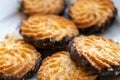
(43, 7)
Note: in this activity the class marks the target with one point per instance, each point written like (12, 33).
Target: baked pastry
(43, 7)
(60, 67)
(93, 16)
(18, 60)
(48, 31)
(96, 54)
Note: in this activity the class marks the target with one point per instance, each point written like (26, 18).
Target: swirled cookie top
(60, 67)
(91, 13)
(48, 26)
(99, 51)
(43, 6)
(17, 57)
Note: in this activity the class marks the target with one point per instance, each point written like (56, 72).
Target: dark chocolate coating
(49, 43)
(108, 77)
(34, 70)
(26, 76)
(81, 61)
(114, 72)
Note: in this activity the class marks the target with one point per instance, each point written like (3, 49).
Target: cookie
(60, 67)
(93, 16)
(18, 60)
(43, 7)
(96, 54)
(48, 31)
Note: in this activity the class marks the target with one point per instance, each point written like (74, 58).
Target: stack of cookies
(69, 48)
(71, 56)
(88, 58)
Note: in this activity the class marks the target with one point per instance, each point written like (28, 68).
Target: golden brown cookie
(48, 31)
(43, 7)
(60, 67)
(18, 60)
(96, 54)
(93, 16)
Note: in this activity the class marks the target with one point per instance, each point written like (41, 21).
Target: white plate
(10, 19)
